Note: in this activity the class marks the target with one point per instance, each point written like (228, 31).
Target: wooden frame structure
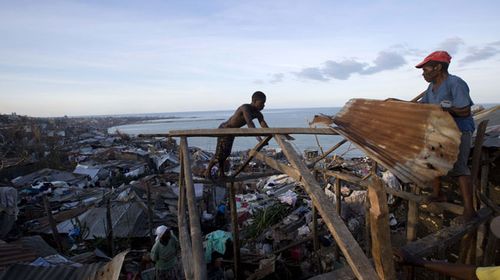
(378, 231)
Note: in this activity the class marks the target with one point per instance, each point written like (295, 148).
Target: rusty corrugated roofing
(417, 142)
(14, 253)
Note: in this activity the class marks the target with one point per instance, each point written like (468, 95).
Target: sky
(129, 57)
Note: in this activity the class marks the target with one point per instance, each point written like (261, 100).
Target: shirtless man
(243, 115)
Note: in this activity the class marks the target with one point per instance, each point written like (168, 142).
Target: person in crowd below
(164, 254)
(242, 116)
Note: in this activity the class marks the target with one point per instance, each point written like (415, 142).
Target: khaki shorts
(460, 168)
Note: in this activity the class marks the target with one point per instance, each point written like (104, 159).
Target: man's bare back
(244, 116)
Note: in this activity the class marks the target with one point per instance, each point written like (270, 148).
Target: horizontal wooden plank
(435, 207)
(445, 237)
(249, 132)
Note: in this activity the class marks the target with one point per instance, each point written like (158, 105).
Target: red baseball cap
(441, 56)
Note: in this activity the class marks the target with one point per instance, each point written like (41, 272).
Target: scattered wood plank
(445, 237)
(248, 132)
(52, 223)
(184, 237)
(381, 234)
(354, 255)
(200, 269)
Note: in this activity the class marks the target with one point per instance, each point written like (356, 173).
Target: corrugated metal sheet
(37, 245)
(28, 272)
(14, 253)
(108, 271)
(42, 224)
(124, 218)
(417, 142)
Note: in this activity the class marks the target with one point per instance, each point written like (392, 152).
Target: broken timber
(359, 263)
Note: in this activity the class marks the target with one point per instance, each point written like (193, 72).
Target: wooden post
(338, 195)
(235, 229)
(357, 260)
(368, 236)
(150, 214)
(485, 170)
(381, 234)
(200, 269)
(109, 224)
(411, 227)
(476, 160)
(325, 154)
(184, 238)
(52, 223)
(490, 250)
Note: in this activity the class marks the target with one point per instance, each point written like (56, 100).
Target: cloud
(311, 73)
(277, 78)
(451, 45)
(478, 54)
(385, 61)
(342, 70)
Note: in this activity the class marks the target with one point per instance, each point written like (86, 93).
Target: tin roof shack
(50, 175)
(58, 267)
(128, 214)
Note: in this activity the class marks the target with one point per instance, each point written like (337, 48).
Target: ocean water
(212, 119)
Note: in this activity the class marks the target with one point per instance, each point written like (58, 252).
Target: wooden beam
(411, 227)
(485, 171)
(445, 237)
(325, 154)
(257, 148)
(381, 234)
(275, 164)
(421, 200)
(52, 223)
(184, 238)
(200, 268)
(338, 194)
(476, 160)
(357, 260)
(109, 233)
(249, 132)
(241, 178)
